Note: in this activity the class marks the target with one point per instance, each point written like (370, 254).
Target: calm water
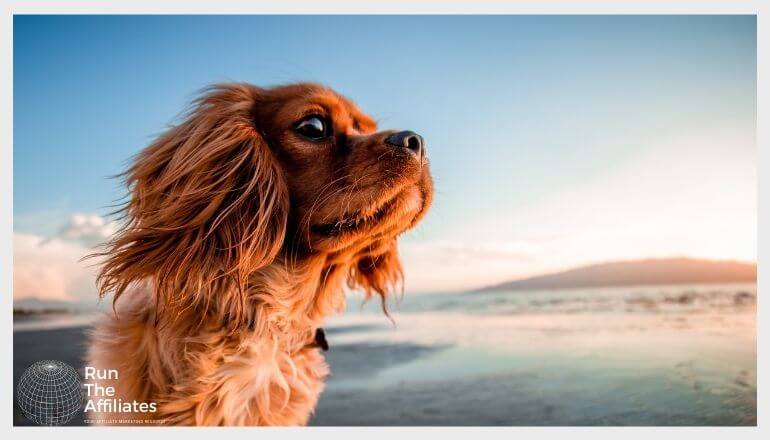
(673, 355)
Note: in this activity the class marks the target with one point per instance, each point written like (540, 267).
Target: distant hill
(638, 272)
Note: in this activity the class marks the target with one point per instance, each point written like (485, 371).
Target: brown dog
(244, 224)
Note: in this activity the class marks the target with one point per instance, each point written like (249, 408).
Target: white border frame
(9, 8)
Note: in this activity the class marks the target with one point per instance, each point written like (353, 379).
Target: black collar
(320, 339)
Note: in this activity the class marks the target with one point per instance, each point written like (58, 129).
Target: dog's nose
(407, 139)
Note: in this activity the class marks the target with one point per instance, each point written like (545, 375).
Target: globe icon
(50, 393)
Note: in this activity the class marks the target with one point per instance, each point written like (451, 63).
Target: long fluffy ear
(377, 273)
(208, 205)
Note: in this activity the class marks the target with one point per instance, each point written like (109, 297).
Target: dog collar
(320, 339)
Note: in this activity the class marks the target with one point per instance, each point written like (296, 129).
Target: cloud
(50, 269)
(89, 230)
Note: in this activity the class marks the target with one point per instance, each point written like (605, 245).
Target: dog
(243, 226)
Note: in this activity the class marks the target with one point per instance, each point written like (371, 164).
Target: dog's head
(256, 174)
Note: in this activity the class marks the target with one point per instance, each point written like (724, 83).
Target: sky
(554, 141)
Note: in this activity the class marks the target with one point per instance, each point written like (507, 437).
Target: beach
(664, 355)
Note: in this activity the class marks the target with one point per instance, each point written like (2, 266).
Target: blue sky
(554, 140)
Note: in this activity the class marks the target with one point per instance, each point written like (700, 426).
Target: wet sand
(352, 361)
(541, 394)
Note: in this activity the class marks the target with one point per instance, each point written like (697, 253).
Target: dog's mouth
(354, 221)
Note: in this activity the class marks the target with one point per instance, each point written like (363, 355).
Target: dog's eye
(312, 127)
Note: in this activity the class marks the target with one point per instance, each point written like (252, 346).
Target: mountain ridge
(649, 271)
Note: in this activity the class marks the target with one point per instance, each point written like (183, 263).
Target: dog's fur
(238, 238)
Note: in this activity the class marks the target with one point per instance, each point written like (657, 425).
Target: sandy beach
(646, 356)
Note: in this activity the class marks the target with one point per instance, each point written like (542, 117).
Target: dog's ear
(208, 206)
(378, 272)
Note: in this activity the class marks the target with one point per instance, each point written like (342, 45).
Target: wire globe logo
(50, 393)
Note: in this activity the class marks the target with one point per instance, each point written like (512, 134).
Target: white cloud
(89, 230)
(50, 269)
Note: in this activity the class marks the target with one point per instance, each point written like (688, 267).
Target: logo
(50, 393)
(102, 396)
